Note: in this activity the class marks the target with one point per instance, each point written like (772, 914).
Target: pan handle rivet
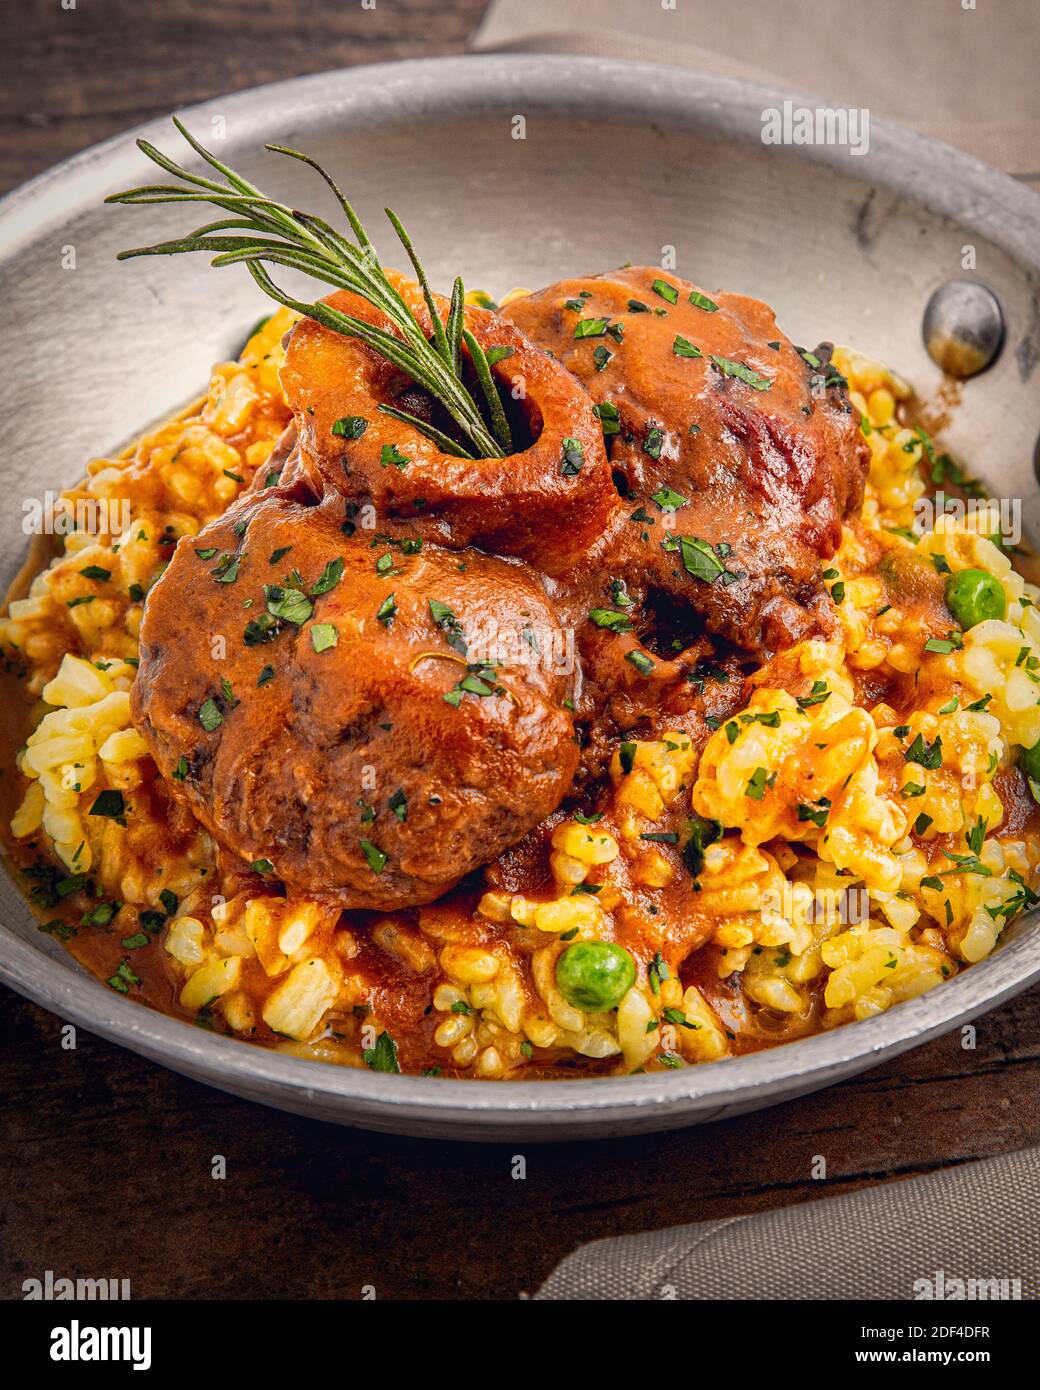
(963, 327)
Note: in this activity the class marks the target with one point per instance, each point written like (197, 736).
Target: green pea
(1029, 762)
(595, 975)
(972, 596)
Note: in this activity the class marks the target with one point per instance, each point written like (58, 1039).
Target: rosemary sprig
(262, 230)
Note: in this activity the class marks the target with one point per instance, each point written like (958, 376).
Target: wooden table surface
(106, 1161)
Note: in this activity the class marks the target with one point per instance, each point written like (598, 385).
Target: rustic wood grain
(70, 77)
(105, 1159)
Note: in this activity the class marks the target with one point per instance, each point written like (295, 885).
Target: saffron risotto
(848, 855)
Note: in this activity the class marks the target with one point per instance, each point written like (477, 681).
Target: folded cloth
(961, 71)
(966, 1232)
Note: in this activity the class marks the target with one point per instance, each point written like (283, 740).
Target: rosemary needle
(263, 232)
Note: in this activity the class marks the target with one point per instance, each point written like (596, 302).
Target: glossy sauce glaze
(644, 562)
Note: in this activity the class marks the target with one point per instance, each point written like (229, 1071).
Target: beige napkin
(965, 1234)
(964, 75)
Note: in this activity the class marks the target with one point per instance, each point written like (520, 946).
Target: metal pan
(619, 160)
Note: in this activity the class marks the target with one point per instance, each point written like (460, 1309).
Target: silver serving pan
(619, 161)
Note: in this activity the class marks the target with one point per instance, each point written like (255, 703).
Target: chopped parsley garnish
(292, 605)
(606, 412)
(641, 662)
(653, 442)
(573, 457)
(449, 625)
(669, 500)
(818, 695)
(944, 645)
(698, 834)
(391, 454)
(262, 866)
(817, 812)
(704, 561)
(180, 771)
(350, 427)
(928, 756)
(324, 636)
(210, 715)
(267, 674)
(95, 572)
(123, 978)
(976, 835)
(742, 372)
(608, 618)
(967, 864)
(677, 1018)
(682, 347)
(666, 291)
(226, 569)
(387, 611)
(590, 328)
(701, 301)
(476, 683)
(498, 354)
(383, 1056)
(109, 803)
(601, 355)
(619, 594)
(100, 916)
(658, 972)
(262, 628)
(760, 779)
(374, 856)
(329, 577)
(398, 803)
